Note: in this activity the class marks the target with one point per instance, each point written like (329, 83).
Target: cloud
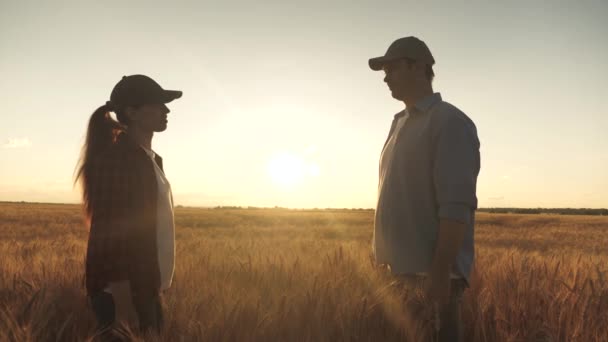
(17, 143)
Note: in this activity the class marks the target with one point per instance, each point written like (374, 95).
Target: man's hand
(438, 287)
(451, 234)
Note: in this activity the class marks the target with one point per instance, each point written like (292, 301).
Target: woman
(128, 202)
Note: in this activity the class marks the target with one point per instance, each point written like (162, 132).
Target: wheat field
(295, 275)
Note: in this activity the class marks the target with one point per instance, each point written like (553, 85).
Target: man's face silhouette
(401, 76)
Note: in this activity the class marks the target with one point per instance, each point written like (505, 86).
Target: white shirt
(165, 226)
(387, 156)
(386, 159)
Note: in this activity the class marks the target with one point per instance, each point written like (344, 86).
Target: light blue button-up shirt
(432, 175)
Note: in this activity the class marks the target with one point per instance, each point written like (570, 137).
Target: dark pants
(438, 323)
(149, 311)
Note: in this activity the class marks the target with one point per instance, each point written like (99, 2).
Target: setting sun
(287, 169)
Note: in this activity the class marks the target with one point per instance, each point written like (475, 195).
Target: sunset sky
(280, 107)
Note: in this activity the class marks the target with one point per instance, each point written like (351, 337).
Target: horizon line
(310, 208)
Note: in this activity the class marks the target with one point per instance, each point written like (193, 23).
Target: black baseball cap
(136, 90)
(407, 47)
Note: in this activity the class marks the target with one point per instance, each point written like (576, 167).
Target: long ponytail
(102, 132)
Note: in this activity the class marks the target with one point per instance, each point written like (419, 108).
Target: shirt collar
(422, 106)
(150, 153)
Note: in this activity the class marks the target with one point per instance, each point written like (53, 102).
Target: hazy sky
(280, 107)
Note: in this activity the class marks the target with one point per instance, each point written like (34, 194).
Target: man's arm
(449, 239)
(455, 176)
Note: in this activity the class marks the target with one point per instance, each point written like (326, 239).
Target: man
(426, 195)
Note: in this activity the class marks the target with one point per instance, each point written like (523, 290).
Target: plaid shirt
(123, 200)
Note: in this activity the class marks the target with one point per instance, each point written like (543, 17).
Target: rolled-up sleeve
(456, 167)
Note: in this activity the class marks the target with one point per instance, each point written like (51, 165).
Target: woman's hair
(102, 132)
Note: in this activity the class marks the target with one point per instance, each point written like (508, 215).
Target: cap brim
(377, 63)
(170, 95)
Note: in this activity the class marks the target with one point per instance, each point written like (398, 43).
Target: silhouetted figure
(426, 194)
(128, 203)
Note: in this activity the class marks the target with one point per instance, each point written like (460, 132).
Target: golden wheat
(287, 275)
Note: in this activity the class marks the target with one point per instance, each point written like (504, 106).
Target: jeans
(149, 311)
(438, 323)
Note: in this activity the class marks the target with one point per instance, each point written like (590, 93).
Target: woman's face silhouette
(150, 117)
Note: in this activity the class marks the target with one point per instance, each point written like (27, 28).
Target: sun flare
(287, 169)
